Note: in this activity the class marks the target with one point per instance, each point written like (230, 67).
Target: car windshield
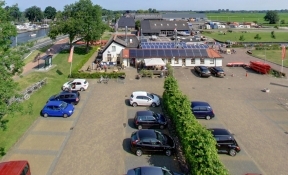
(85, 82)
(155, 115)
(70, 82)
(161, 137)
(218, 68)
(63, 105)
(150, 95)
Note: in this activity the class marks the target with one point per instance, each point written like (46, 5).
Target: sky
(161, 4)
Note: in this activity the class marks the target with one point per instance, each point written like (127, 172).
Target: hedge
(198, 144)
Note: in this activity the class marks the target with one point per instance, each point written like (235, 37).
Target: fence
(25, 95)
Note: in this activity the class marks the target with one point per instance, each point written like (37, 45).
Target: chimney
(126, 35)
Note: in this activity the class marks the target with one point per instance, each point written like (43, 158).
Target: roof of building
(170, 53)
(126, 21)
(132, 41)
(155, 26)
(148, 16)
(183, 15)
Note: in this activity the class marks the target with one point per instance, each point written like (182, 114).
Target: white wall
(113, 54)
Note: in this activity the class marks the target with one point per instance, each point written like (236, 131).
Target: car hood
(131, 172)
(170, 141)
(66, 84)
(161, 118)
(156, 98)
(69, 108)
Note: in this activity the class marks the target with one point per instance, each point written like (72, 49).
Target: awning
(154, 62)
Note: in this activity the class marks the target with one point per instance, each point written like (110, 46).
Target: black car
(202, 109)
(217, 71)
(151, 170)
(72, 97)
(226, 143)
(151, 141)
(149, 119)
(202, 71)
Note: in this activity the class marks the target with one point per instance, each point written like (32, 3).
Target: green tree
(257, 37)
(272, 17)
(137, 24)
(50, 12)
(242, 38)
(33, 13)
(273, 35)
(14, 12)
(11, 64)
(282, 21)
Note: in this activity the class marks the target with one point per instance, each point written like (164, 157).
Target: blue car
(57, 109)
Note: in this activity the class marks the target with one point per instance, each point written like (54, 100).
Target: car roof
(151, 170)
(203, 67)
(219, 131)
(199, 103)
(54, 103)
(146, 133)
(144, 113)
(79, 80)
(218, 68)
(139, 93)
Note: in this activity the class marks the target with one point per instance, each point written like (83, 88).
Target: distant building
(162, 27)
(125, 21)
(149, 16)
(184, 16)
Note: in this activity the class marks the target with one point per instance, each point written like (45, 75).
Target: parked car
(217, 71)
(72, 97)
(76, 84)
(149, 119)
(202, 109)
(151, 170)
(57, 109)
(151, 141)
(202, 71)
(226, 143)
(143, 98)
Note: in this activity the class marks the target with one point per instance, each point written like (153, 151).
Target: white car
(76, 85)
(143, 98)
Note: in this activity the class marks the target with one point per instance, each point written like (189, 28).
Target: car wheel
(139, 127)
(138, 152)
(232, 152)
(65, 115)
(168, 152)
(153, 105)
(45, 115)
(82, 89)
(134, 104)
(207, 117)
(162, 127)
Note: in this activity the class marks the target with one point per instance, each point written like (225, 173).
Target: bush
(96, 75)
(198, 144)
(146, 73)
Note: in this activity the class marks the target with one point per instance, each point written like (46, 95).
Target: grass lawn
(271, 55)
(20, 122)
(35, 52)
(249, 36)
(242, 17)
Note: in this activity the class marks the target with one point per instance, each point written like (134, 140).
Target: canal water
(26, 36)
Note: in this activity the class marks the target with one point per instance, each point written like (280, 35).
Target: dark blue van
(202, 109)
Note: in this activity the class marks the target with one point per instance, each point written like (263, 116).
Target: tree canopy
(11, 64)
(34, 13)
(50, 12)
(14, 12)
(272, 17)
(81, 19)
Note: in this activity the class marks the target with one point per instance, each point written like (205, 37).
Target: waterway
(26, 36)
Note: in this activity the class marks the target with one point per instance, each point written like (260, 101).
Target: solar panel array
(169, 53)
(170, 45)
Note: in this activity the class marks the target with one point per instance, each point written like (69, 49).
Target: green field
(249, 36)
(243, 17)
(271, 55)
(20, 122)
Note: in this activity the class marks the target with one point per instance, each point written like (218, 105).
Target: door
(78, 85)
(140, 100)
(146, 145)
(203, 112)
(183, 62)
(157, 146)
(73, 86)
(67, 98)
(57, 111)
(61, 98)
(151, 122)
(196, 111)
(146, 101)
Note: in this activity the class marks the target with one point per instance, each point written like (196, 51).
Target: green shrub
(198, 144)
(96, 75)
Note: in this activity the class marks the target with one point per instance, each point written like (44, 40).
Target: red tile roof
(125, 53)
(213, 54)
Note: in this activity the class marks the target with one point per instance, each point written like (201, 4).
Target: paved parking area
(259, 120)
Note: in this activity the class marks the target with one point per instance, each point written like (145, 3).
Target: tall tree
(50, 12)
(11, 64)
(272, 17)
(14, 12)
(33, 13)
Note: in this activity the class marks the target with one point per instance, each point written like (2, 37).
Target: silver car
(142, 98)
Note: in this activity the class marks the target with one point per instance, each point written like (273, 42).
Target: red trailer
(260, 67)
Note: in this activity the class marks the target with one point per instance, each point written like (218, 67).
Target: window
(67, 96)
(61, 96)
(192, 60)
(201, 60)
(118, 55)
(108, 57)
(151, 118)
(211, 61)
(113, 48)
(176, 61)
(169, 61)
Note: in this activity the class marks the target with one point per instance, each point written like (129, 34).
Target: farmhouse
(112, 50)
(157, 27)
(125, 21)
(149, 16)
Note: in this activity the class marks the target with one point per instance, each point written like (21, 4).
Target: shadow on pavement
(126, 145)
